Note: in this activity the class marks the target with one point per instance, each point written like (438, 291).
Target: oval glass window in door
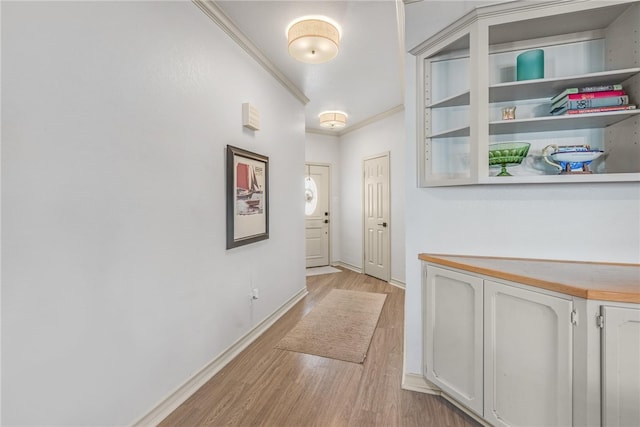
(310, 195)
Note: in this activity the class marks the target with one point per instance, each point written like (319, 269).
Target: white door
(316, 185)
(527, 357)
(453, 328)
(376, 217)
(621, 367)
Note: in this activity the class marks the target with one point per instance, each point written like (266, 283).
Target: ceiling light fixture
(313, 39)
(333, 119)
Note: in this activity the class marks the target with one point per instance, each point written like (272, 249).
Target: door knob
(326, 221)
(384, 224)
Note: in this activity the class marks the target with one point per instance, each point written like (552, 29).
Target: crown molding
(372, 119)
(213, 11)
(359, 125)
(322, 132)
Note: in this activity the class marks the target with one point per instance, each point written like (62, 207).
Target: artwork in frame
(247, 197)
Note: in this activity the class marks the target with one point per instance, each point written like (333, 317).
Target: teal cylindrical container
(530, 65)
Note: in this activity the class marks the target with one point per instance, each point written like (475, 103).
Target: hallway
(271, 387)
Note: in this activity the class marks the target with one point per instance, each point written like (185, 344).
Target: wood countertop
(589, 280)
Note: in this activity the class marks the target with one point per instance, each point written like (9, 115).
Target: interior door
(316, 186)
(376, 243)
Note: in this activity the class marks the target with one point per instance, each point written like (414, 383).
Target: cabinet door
(453, 328)
(621, 367)
(527, 357)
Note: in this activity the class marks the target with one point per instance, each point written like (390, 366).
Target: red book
(591, 95)
(601, 109)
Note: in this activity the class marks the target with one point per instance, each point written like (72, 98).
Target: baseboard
(182, 393)
(347, 266)
(469, 412)
(416, 382)
(394, 282)
(397, 283)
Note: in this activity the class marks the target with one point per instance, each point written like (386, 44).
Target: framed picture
(247, 197)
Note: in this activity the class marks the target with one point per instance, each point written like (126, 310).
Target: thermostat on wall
(250, 116)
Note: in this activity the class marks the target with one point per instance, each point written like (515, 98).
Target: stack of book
(591, 99)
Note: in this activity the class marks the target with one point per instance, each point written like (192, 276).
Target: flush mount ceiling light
(313, 39)
(333, 119)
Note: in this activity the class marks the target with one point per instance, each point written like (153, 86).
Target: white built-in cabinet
(466, 75)
(621, 366)
(527, 357)
(453, 320)
(518, 355)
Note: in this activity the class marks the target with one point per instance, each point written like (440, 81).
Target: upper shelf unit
(467, 77)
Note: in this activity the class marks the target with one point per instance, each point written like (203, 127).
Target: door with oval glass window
(317, 221)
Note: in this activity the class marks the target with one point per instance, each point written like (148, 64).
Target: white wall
(325, 149)
(589, 222)
(425, 18)
(386, 135)
(116, 285)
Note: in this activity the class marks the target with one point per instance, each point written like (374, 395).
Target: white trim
(470, 413)
(347, 266)
(359, 125)
(329, 207)
(393, 282)
(397, 283)
(416, 382)
(189, 387)
(372, 119)
(387, 155)
(213, 11)
(322, 132)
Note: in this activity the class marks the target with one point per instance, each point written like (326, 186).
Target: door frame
(386, 154)
(328, 166)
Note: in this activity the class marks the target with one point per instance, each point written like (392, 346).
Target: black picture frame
(247, 176)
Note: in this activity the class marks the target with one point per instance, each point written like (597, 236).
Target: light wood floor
(270, 387)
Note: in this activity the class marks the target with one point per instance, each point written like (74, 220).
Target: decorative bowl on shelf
(570, 158)
(507, 154)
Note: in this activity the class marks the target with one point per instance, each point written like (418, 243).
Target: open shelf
(459, 105)
(556, 123)
(559, 179)
(452, 133)
(452, 101)
(547, 88)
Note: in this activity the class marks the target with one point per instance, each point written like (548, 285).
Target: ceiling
(365, 80)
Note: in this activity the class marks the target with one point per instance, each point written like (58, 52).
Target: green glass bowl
(507, 154)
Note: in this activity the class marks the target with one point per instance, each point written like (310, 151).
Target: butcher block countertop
(589, 280)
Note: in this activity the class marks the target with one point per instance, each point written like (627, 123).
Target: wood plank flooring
(265, 386)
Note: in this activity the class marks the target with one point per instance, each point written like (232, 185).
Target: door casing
(387, 246)
(328, 166)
